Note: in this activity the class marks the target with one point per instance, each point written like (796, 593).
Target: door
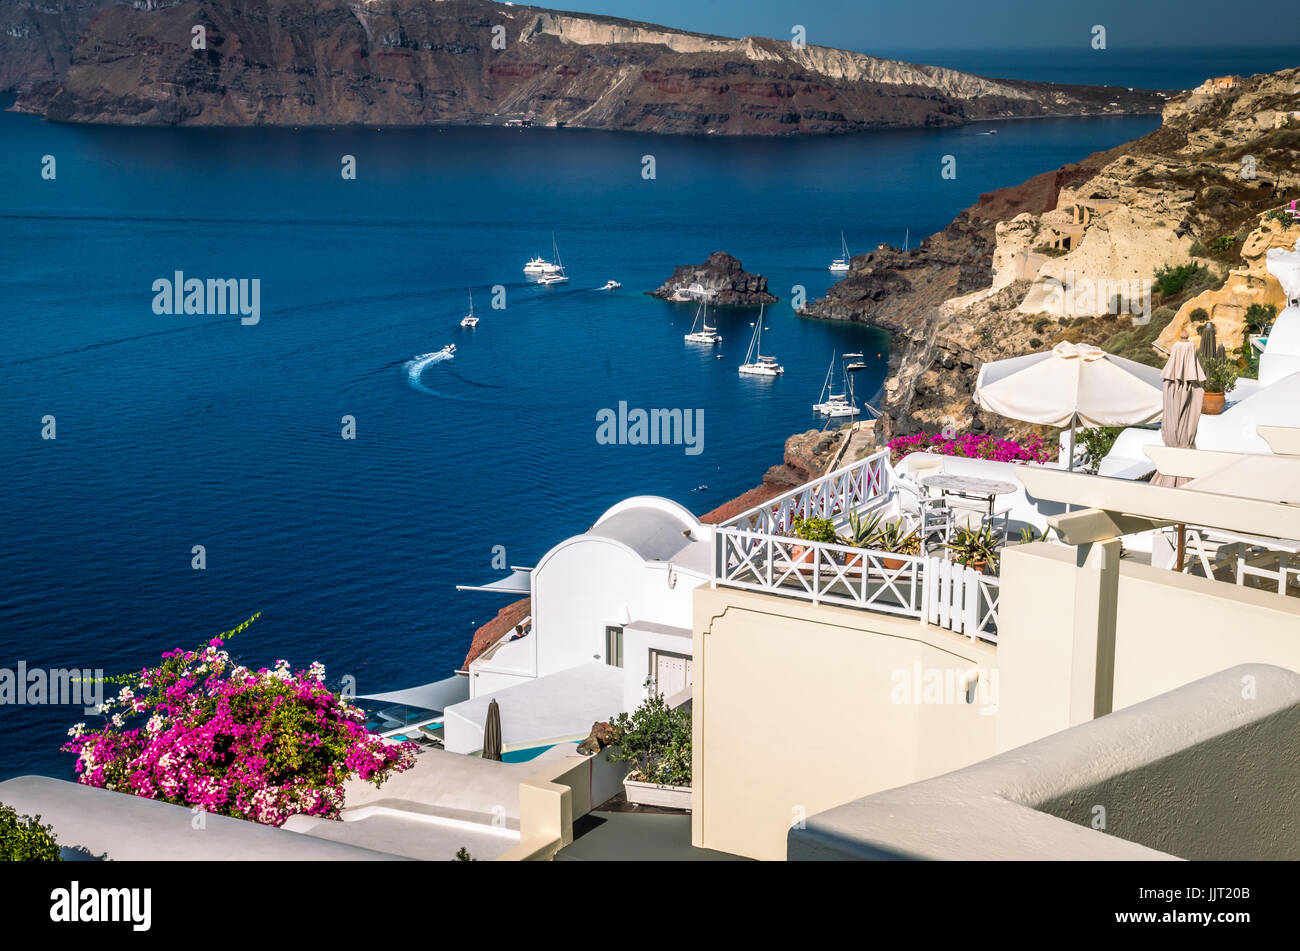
(671, 672)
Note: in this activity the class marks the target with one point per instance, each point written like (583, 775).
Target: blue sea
(174, 431)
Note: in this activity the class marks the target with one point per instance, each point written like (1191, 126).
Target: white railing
(961, 599)
(820, 572)
(857, 487)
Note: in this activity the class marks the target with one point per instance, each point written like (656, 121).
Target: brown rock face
(723, 274)
(418, 62)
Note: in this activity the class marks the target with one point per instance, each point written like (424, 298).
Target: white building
(619, 594)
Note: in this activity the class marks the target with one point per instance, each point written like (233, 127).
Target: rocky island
(477, 62)
(721, 280)
(1164, 234)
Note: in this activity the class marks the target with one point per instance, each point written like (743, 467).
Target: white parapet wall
(799, 707)
(1207, 771)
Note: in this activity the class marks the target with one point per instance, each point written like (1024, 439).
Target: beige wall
(796, 711)
(1172, 629)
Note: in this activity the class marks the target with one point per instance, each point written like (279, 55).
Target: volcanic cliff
(1200, 199)
(417, 62)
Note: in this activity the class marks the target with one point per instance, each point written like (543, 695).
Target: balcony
(754, 551)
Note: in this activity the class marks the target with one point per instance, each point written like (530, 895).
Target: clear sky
(966, 24)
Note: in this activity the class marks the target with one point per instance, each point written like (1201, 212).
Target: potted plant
(863, 533)
(975, 548)
(895, 538)
(1220, 377)
(1220, 372)
(811, 530)
(656, 740)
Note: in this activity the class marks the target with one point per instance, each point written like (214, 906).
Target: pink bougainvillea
(972, 446)
(201, 731)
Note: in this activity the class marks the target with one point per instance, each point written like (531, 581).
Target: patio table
(970, 487)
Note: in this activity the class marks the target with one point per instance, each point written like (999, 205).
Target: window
(614, 646)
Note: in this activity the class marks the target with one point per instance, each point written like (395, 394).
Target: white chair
(936, 519)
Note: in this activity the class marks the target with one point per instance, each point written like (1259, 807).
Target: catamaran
(755, 363)
(836, 404)
(855, 362)
(708, 334)
(841, 264)
(555, 273)
(469, 320)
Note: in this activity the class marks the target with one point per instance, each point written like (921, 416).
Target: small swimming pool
(531, 752)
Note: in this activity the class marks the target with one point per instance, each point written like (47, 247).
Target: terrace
(758, 551)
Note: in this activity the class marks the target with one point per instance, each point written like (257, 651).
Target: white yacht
(855, 362)
(611, 286)
(553, 273)
(755, 363)
(706, 334)
(448, 350)
(841, 264)
(469, 320)
(537, 266)
(836, 405)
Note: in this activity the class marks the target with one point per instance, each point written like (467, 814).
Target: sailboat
(469, 320)
(856, 363)
(755, 363)
(841, 264)
(836, 404)
(555, 273)
(708, 334)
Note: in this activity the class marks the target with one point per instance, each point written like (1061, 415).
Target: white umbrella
(1070, 385)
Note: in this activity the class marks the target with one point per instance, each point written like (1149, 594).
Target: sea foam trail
(416, 365)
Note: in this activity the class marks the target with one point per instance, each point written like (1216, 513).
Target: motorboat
(611, 286)
(855, 362)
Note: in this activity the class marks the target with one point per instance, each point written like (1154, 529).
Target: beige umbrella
(1070, 385)
(1184, 392)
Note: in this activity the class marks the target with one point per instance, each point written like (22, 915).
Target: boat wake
(416, 366)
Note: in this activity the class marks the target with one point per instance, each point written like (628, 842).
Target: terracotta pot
(801, 555)
(892, 564)
(1213, 404)
(852, 561)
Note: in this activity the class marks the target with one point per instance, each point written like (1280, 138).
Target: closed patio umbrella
(492, 733)
(1183, 394)
(1070, 385)
(1183, 377)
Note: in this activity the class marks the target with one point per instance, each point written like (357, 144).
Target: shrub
(656, 740)
(1172, 280)
(1095, 442)
(1259, 317)
(972, 446)
(1198, 250)
(815, 529)
(1223, 243)
(199, 730)
(24, 839)
(1041, 324)
(1035, 343)
(1220, 375)
(1199, 316)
